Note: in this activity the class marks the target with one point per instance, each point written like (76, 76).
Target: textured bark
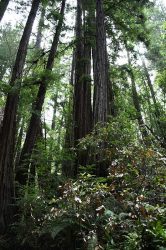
(101, 81)
(103, 91)
(87, 112)
(82, 86)
(78, 84)
(31, 135)
(7, 139)
(3, 7)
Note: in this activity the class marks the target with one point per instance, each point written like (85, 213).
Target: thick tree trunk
(3, 7)
(82, 118)
(101, 102)
(7, 139)
(103, 92)
(31, 135)
(82, 86)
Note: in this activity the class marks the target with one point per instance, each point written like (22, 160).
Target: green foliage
(161, 80)
(123, 206)
(124, 210)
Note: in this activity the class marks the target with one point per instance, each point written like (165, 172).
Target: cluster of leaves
(121, 211)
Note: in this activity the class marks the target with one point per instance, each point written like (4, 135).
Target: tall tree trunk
(87, 112)
(30, 140)
(3, 7)
(39, 135)
(157, 111)
(101, 81)
(152, 92)
(54, 111)
(111, 98)
(19, 142)
(67, 165)
(82, 85)
(136, 102)
(7, 139)
(78, 85)
(40, 29)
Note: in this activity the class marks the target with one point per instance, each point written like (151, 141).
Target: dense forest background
(82, 124)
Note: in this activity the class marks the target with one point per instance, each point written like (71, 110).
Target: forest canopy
(83, 124)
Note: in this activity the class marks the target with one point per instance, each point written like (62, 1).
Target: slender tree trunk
(39, 135)
(40, 29)
(34, 164)
(19, 142)
(137, 103)
(157, 111)
(54, 111)
(67, 165)
(78, 85)
(7, 139)
(111, 98)
(3, 7)
(30, 140)
(3, 70)
(87, 112)
(152, 92)
(61, 124)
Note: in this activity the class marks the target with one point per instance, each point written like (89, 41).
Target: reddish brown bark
(82, 85)
(7, 140)
(101, 81)
(31, 135)
(82, 118)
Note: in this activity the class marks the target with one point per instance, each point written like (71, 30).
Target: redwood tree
(30, 140)
(7, 140)
(101, 80)
(82, 84)
(82, 118)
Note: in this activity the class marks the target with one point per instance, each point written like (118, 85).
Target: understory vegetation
(82, 125)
